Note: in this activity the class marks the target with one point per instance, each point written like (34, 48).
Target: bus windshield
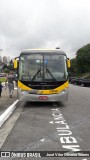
(42, 67)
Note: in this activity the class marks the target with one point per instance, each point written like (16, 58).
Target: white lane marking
(51, 122)
(42, 140)
(6, 129)
(55, 109)
(7, 113)
(79, 139)
(15, 88)
(65, 135)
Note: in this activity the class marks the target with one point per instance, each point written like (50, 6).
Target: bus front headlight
(23, 91)
(64, 91)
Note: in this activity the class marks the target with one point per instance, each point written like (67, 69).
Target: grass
(2, 79)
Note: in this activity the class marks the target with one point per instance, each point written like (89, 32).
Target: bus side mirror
(68, 63)
(15, 63)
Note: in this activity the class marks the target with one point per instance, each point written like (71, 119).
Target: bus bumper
(61, 96)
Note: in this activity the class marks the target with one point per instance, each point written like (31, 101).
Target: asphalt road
(50, 126)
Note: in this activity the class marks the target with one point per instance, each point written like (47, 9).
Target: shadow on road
(44, 104)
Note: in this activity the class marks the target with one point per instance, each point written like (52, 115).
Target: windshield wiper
(51, 74)
(36, 74)
(47, 71)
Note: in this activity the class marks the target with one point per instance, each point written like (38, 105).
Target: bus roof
(43, 51)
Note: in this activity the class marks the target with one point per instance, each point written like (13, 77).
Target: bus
(42, 75)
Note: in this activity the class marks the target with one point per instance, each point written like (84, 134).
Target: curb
(7, 113)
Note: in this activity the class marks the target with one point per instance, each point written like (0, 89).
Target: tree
(73, 67)
(83, 59)
(7, 67)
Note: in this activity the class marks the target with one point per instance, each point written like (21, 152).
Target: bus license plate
(43, 97)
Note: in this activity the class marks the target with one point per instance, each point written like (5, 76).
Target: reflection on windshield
(42, 68)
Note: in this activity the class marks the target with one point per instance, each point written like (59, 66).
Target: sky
(29, 24)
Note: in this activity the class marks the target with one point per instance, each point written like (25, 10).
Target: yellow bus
(42, 75)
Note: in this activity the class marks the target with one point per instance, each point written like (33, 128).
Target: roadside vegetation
(4, 69)
(80, 66)
(3, 79)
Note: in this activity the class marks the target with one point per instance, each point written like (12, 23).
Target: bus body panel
(43, 67)
(57, 94)
(23, 87)
(25, 96)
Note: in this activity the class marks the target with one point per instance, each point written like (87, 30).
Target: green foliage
(2, 79)
(73, 68)
(83, 59)
(6, 68)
